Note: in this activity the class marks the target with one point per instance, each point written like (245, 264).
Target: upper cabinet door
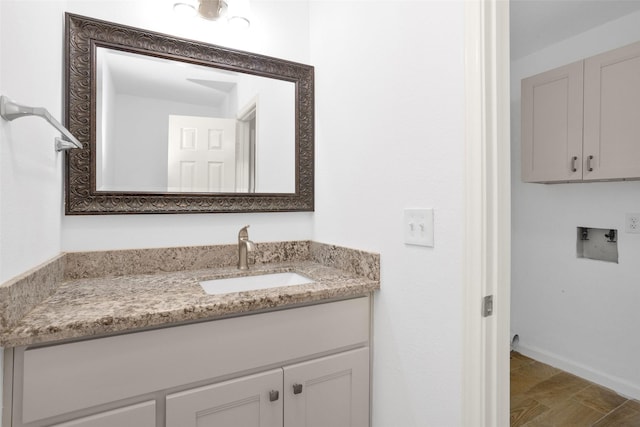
(612, 114)
(552, 125)
(330, 391)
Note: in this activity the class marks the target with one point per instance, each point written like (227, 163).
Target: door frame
(485, 381)
(247, 139)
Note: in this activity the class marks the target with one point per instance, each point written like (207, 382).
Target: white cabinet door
(612, 114)
(251, 401)
(330, 391)
(140, 415)
(552, 125)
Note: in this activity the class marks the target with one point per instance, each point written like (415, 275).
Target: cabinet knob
(274, 395)
(297, 388)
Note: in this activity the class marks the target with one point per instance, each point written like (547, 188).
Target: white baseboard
(619, 385)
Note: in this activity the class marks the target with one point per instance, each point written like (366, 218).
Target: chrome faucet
(244, 247)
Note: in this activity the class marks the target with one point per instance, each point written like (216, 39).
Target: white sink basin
(252, 283)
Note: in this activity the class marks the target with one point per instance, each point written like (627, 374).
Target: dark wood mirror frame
(84, 35)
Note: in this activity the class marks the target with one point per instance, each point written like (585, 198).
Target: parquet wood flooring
(543, 396)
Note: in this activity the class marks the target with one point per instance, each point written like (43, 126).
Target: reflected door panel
(202, 154)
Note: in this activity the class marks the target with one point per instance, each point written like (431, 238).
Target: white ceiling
(151, 77)
(536, 24)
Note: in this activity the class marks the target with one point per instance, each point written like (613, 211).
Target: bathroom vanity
(312, 361)
(285, 356)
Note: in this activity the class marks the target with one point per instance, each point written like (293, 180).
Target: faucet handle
(243, 233)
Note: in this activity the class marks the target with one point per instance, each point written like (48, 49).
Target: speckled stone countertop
(105, 304)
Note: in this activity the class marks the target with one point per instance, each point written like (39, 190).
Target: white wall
(577, 314)
(140, 157)
(275, 129)
(31, 171)
(390, 126)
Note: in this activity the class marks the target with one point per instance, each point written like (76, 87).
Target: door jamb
(485, 400)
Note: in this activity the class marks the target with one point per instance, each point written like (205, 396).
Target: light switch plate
(418, 227)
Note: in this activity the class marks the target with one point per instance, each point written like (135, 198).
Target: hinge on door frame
(487, 306)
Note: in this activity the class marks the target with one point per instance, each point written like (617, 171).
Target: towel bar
(9, 111)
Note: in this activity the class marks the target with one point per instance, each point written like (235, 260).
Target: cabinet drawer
(68, 377)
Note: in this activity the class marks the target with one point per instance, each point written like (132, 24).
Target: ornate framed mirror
(171, 125)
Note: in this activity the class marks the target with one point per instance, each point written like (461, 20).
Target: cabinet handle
(589, 167)
(574, 159)
(274, 395)
(297, 388)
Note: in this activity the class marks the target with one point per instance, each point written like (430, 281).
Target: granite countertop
(97, 306)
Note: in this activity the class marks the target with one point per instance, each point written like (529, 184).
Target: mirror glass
(169, 126)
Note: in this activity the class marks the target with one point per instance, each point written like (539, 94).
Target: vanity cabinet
(210, 372)
(581, 122)
(328, 391)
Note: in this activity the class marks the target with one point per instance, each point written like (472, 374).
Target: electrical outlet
(633, 223)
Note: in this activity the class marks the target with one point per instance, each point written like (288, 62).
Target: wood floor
(543, 396)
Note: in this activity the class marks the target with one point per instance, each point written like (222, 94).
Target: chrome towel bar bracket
(9, 111)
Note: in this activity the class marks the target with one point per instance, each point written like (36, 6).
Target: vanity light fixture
(236, 12)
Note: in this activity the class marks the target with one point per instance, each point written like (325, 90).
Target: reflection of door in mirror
(202, 154)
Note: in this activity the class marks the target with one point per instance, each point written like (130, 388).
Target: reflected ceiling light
(212, 9)
(235, 11)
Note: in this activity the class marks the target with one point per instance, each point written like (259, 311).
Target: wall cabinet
(222, 372)
(581, 122)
